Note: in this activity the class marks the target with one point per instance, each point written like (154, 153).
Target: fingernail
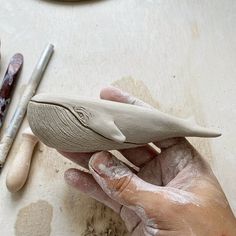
(128, 98)
(101, 161)
(116, 90)
(106, 165)
(121, 92)
(118, 94)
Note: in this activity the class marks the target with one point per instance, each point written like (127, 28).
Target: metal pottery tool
(20, 167)
(8, 84)
(29, 91)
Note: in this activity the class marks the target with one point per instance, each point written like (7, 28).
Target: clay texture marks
(87, 125)
(57, 127)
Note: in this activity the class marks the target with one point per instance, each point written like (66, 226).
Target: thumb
(122, 185)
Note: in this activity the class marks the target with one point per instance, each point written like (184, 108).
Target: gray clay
(88, 125)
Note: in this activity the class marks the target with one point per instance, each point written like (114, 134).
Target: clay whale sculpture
(87, 125)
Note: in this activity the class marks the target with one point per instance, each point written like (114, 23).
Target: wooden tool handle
(19, 169)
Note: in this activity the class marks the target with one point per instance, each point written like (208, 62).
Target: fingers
(167, 143)
(151, 203)
(81, 159)
(114, 94)
(122, 185)
(181, 163)
(152, 172)
(139, 156)
(130, 218)
(144, 229)
(85, 183)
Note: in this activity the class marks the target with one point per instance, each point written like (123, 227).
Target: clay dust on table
(34, 219)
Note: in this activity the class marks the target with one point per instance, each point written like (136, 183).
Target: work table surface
(178, 56)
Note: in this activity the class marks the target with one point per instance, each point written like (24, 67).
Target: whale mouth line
(68, 109)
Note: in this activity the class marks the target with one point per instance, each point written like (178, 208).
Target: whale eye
(81, 115)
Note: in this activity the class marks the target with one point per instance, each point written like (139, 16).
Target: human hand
(174, 192)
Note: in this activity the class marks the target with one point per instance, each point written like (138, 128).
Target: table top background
(178, 56)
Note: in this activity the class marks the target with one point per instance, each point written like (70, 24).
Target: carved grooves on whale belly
(61, 106)
(42, 128)
(68, 130)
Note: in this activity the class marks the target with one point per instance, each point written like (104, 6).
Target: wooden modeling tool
(8, 84)
(29, 91)
(19, 169)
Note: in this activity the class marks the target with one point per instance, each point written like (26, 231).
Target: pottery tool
(29, 91)
(8, 84)
(19, 169)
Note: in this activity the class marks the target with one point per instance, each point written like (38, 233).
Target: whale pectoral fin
(108, 129)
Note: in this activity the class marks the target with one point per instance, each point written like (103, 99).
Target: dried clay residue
(34, 219)
(88, 217)
(112, 227)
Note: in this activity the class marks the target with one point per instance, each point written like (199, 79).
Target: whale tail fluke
(205, 132)
(199, 131)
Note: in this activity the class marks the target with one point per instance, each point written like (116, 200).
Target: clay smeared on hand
(88, 125)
